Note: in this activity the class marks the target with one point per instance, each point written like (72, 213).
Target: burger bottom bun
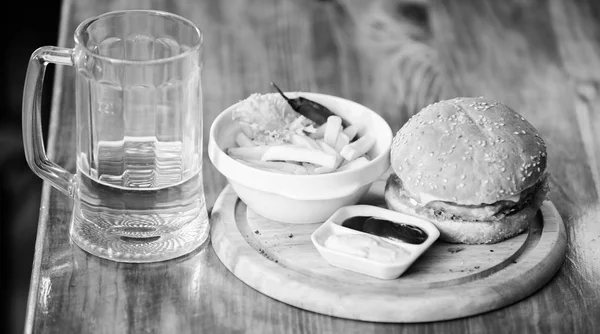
(471, 232)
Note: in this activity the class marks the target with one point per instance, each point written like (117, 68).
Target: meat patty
(481, 212)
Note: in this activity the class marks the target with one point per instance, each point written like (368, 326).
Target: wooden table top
(395, 56)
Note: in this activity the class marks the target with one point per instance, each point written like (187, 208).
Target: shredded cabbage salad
(270, 120)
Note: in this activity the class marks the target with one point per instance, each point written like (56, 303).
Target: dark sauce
(384, 228)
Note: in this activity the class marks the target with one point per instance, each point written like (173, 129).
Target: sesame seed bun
(468, 151)
(472, 156)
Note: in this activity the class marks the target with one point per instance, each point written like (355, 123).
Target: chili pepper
(310, 109)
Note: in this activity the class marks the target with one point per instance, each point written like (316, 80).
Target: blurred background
(20, 189)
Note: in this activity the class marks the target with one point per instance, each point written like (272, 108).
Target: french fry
(324, 170)
(277, 166)
(358, 162)
(351, 131)
(310, 168)
(243, 141)
(330, 150)
(319, 132)
(334, 127)
(304, 141)
(342, 140)
(357, 148)
(313, 143)
(326, 148)
(310, 129)
(247, 153)
(347, 161)
(300, 154)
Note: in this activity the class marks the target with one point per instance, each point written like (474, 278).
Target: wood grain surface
(448, 281)
(395, 56)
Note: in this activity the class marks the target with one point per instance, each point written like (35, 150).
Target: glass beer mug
(138, 194)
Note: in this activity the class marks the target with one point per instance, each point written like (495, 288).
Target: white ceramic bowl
(363, 265)
(302, 198)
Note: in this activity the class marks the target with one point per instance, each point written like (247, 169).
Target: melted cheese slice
(425, 199)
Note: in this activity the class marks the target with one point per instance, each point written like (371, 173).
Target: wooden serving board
(448, 281)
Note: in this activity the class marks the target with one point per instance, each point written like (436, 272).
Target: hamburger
(472, 166)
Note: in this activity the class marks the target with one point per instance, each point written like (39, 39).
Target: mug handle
(33, 139)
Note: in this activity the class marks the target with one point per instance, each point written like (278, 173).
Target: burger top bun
(469, 151)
